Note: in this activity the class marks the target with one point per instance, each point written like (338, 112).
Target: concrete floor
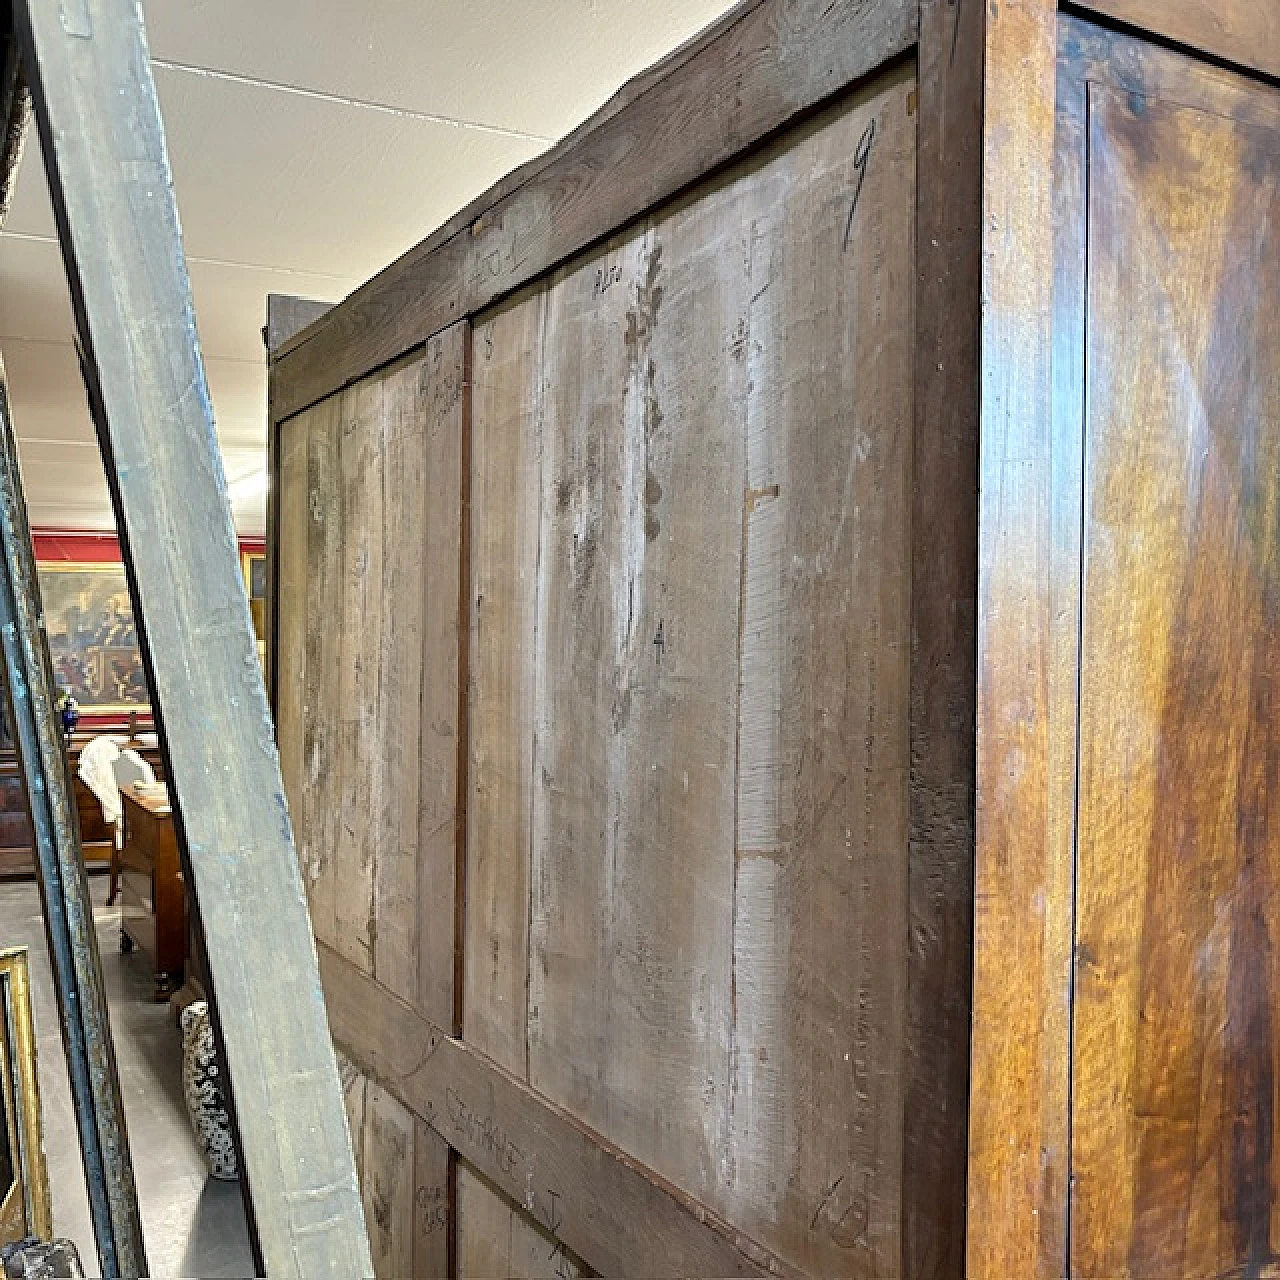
(193, 1224)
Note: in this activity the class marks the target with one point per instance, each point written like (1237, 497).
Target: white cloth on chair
(129, 767)
(97, 772)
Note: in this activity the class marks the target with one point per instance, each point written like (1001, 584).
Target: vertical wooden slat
(285, 316)
(944, 586)
(505, 488)
(321, 708)
(1018, 1159)
(360, 480)
(111, 189)
(370, 533)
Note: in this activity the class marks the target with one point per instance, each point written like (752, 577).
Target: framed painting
(92, 639)
(25, 1207)
(254, 566)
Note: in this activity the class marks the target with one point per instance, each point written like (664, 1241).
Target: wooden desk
(153, 913)
(17, 848)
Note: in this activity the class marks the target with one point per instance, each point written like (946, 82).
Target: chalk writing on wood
(432, 1204)
(482, 1130)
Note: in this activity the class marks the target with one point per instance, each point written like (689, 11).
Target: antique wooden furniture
(153, 900)
(865, 425)
(17, 853)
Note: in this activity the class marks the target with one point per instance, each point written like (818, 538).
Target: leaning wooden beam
(740, 80)
(619, 1217)
(110, 183)
(64, 887)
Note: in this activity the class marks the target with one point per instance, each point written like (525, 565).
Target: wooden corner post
(112, 194)
(1019, 1121)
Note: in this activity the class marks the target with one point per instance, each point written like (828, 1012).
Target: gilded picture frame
(25, 1206)
(93, 641)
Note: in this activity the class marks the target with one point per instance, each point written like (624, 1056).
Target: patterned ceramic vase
(202, 1087)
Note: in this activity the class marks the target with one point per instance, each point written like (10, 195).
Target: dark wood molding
(944, 587)
(763, 65)
(620, 1217)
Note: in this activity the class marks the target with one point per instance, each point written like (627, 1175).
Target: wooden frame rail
(742, 79)
(622, 1218)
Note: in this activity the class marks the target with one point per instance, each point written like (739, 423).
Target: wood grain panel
(360, 494)
(321, 706)
(638, 588)
(434, 564)
(815, 1129)
(711, 100)
(1245, 32)
(387, 1184)
(370, 546)
(387, 1141)
(765, 317)
(432, 1226)
(392, 603)
(1018, 1124)
(1174, 1070)
(290, 569)
(505, 489)
(495, 1238)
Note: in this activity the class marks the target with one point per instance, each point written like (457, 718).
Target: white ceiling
(312, 142)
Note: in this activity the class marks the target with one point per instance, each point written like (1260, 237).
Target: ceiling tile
(538, 66)
(277, 180)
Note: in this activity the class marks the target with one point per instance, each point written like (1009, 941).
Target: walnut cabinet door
(1167, 529)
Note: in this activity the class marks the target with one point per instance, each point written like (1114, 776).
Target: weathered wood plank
(111, 189)
(385, 863)
(618, 1217)
(284, 317)
(1018, 1156)
(355, 830)
(496, 1238)
(394, 614)
(432, 1228)
(320, 430)
(1245, 32)
(505, 488)
(440, 550)
(944, 587)
(823, 722)
(777, 60)
(387, 1183)
(289, 555)
(644, 495)
(638, 582)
